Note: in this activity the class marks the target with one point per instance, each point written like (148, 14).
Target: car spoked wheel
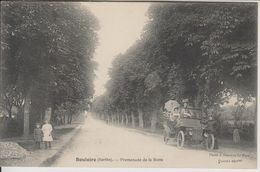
(210, 142)
(165, 138)
(180, 139)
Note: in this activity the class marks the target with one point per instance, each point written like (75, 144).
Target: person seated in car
(175, 114)
(172, 117)
(185, 112)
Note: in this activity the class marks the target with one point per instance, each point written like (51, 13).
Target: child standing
(37, 136)
(47, 134)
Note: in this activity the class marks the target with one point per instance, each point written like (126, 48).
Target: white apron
(46, 129)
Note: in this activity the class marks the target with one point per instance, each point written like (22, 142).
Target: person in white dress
(47, 134)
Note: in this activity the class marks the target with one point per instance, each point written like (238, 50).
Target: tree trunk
(113, 118)
(198, 99)
(122, 119)
(63, 119)
(118, 119)
(10, 112)
(255, 126)
(153, 121)
(69, 118)
(26, 124)
(42, 116)
(133, 119)
(53, 119)
(107, 117)
(20, 117)
(126, 119)
(141, 118)
(68, 122)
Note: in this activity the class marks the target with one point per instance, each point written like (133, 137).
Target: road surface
(101, 145)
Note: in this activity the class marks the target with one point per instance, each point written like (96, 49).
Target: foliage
(203, 52)
(47, 50)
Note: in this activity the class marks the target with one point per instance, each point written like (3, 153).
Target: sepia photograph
(129, 84)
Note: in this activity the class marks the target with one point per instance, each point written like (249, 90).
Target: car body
(193, 131)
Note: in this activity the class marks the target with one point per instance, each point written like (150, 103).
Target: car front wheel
(180, 139)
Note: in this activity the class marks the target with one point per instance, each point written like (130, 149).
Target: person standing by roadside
(37, 134)
(47, 134)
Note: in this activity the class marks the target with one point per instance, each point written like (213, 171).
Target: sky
(121, 25)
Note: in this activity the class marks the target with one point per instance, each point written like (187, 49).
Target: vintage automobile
(191, 131)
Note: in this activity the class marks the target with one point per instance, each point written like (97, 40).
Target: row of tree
(46, 59)
(206, 52)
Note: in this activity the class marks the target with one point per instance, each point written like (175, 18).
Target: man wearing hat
(185, 112)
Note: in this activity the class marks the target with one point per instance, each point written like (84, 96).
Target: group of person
(184, 111)
(179, 111)
(174, 113)
(43, 134)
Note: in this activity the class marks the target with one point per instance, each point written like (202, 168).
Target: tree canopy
(205, 52)
(47, 51)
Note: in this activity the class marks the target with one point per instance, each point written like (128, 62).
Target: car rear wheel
(180, 139)
(210, 142)
(165, 138)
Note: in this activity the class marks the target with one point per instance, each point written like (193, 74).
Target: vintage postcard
(129, 84)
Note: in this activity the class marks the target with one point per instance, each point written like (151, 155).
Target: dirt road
(102, 145)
